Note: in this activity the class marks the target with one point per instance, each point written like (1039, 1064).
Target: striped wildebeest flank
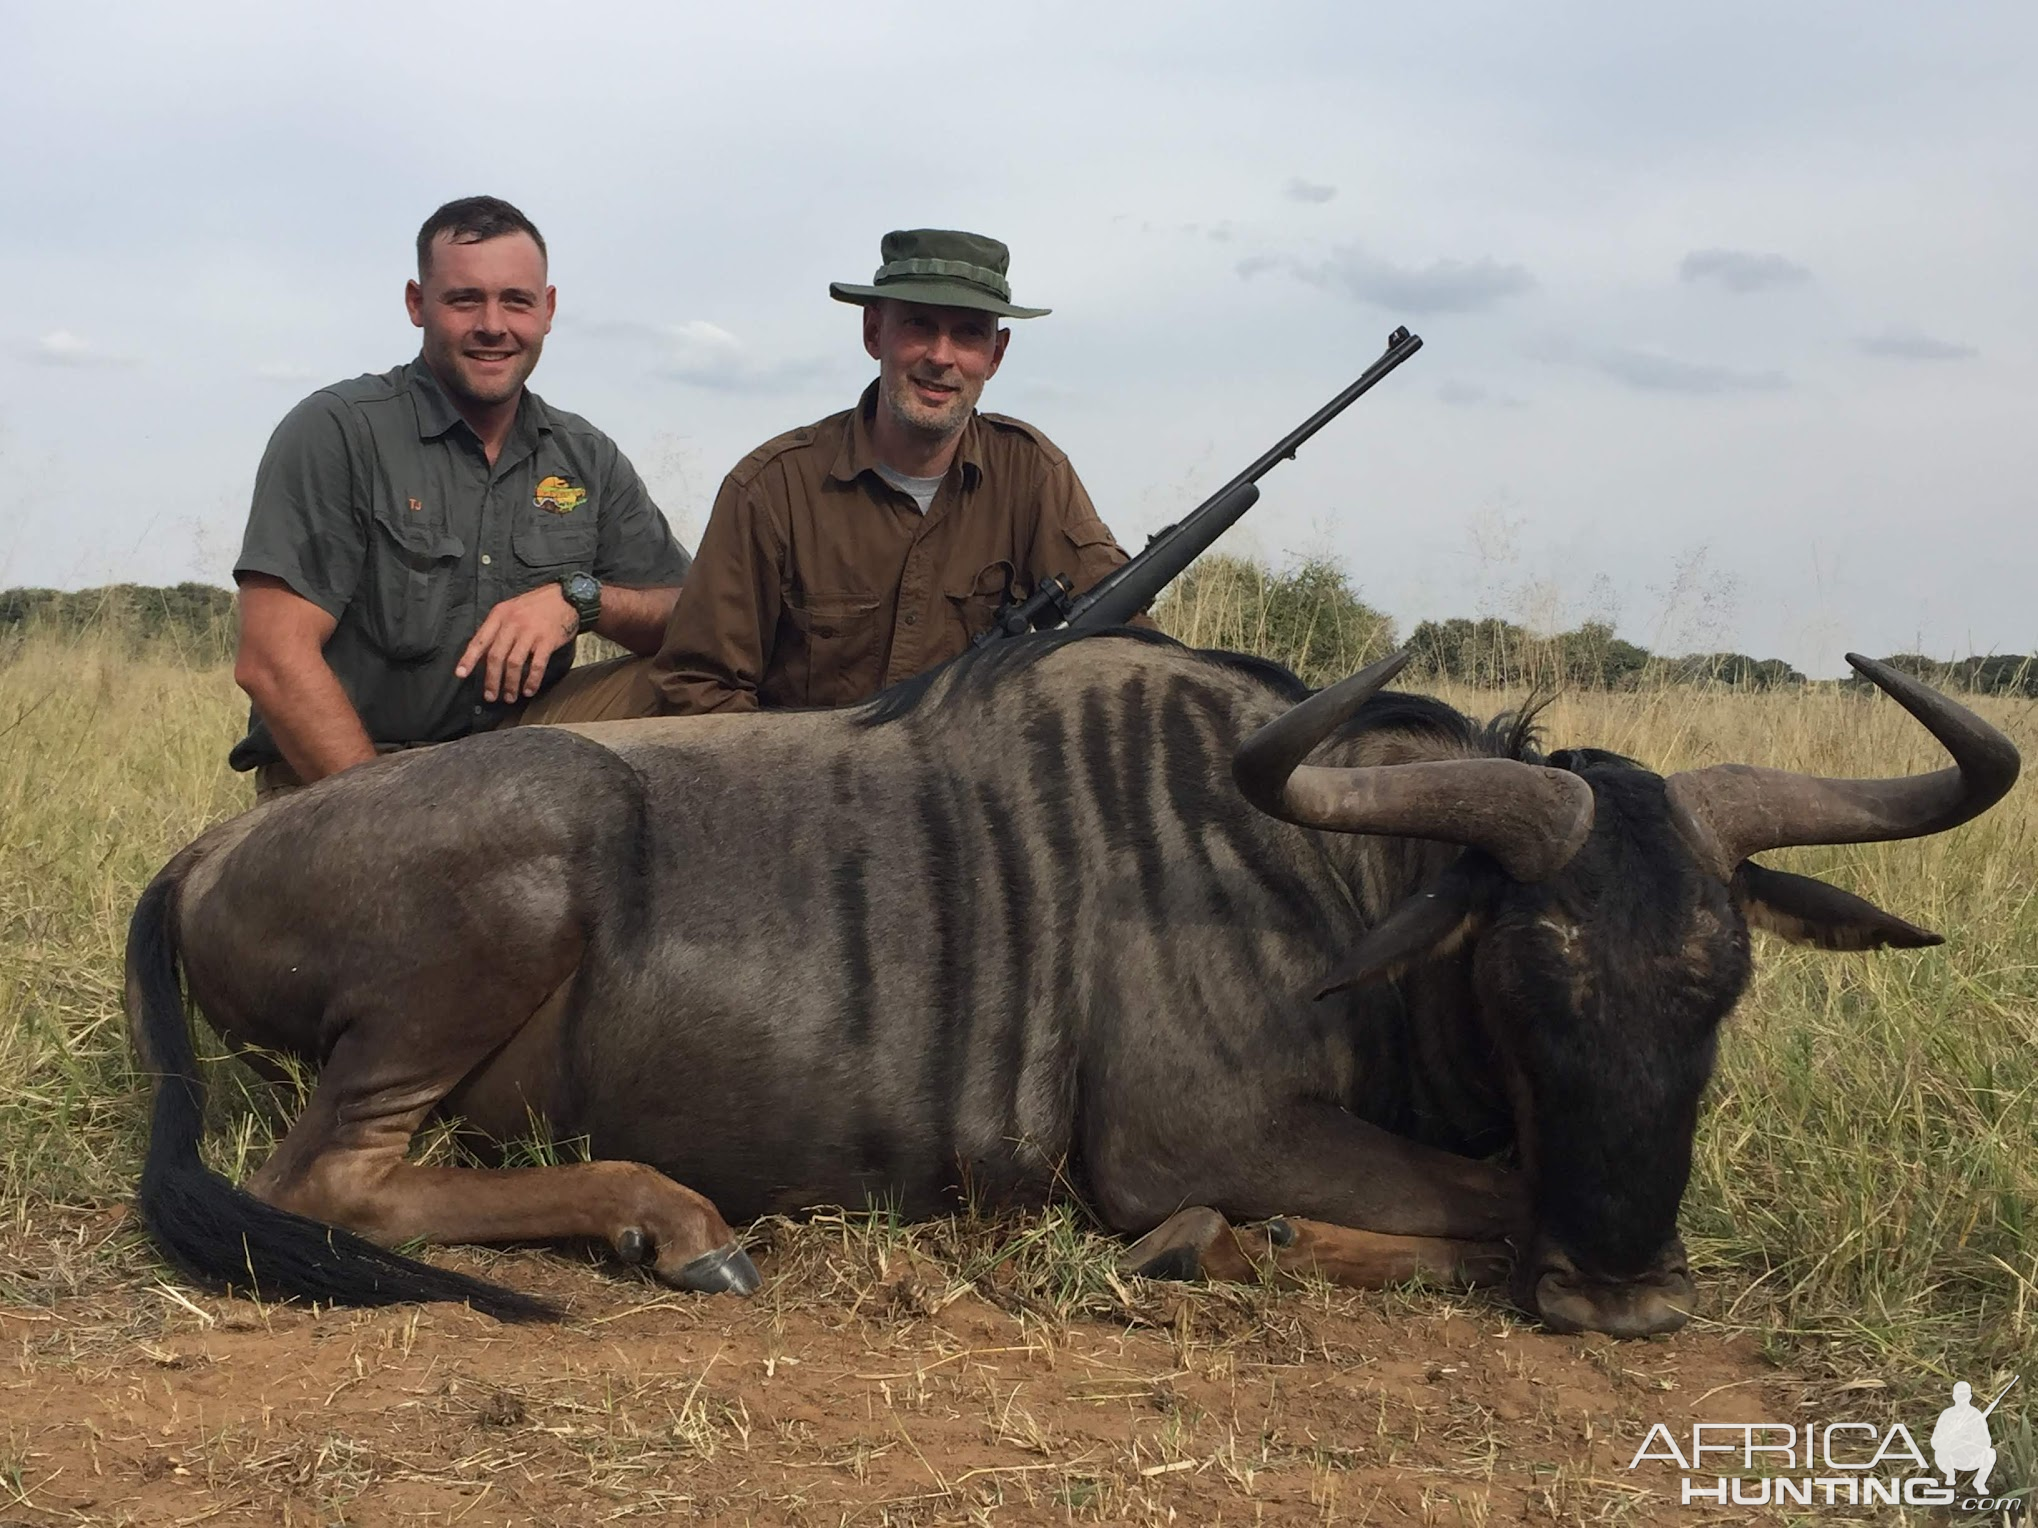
(1393, 991)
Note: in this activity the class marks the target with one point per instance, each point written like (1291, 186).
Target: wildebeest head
(1604, 911)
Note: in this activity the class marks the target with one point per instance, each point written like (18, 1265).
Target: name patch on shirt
(559, 496)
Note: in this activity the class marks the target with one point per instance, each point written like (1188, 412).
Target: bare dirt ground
(881, 1377)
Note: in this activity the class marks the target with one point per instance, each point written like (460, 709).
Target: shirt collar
(858, 454)
(436, 414)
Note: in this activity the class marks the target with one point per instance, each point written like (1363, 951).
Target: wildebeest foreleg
(1310, 1159)
(343, 1163)
(1200, 1243)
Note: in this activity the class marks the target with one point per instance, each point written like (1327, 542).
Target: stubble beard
(933, 425)
(454, 376)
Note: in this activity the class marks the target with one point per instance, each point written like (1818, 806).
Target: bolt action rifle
(1125, 591)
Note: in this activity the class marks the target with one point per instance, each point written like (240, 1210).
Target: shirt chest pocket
(555, 543)
(977, 601)
(410, 584)
(830, 652)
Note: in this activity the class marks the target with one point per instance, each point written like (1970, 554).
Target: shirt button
(486, 559)
(477, 710)
(912, 618)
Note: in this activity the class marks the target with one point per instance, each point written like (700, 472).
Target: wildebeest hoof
(726, 1270)
(634, 1247)
(1279, 1232)
(1174, 1249)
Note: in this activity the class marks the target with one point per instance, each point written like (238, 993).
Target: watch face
(582, 586)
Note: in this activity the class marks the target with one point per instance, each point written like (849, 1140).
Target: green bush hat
(941, 267)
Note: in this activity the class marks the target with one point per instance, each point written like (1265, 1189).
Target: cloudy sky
(1731, 310)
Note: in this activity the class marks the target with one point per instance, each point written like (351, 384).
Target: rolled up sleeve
(305, 526)
(720, 635)
(637, 549)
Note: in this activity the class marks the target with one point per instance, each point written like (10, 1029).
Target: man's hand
(517, 640)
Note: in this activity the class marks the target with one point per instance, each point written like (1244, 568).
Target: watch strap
(583, 593)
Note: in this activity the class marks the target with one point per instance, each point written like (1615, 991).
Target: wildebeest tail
(223, 1235)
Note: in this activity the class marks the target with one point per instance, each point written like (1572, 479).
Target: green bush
(1308, 618)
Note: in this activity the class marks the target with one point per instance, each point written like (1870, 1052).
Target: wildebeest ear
(1427, 926)
(1810, 912)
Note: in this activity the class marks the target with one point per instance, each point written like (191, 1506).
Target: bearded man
(856, 552)
(424, 545)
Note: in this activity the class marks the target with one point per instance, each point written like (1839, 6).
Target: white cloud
(1899, 344)
(700, 353)
(1442, 286)
(1655, 373)
(1462, 394)
(61, 347)
(1300, 190)
(1740, 271)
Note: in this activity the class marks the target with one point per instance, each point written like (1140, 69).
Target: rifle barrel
(1400, 346)
(1125, 591)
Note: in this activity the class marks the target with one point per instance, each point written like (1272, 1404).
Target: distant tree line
(181, 612)
(1312, 619)
(1308, 617)
(1997, 674)
(1503, 655)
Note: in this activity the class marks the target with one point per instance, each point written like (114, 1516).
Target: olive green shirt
(376, 502)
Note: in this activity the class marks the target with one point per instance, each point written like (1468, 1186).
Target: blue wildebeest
(1061, 913)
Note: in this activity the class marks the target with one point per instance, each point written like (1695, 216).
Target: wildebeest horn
(1530, 818)
(1735, 810)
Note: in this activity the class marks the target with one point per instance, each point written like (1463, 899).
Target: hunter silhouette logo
(559, 496)
(1837, 1462)
(1960, 1440)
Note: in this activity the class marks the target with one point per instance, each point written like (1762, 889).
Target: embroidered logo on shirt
(415, 506)
(559, 496)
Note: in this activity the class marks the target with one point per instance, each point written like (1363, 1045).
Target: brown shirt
(817, 583)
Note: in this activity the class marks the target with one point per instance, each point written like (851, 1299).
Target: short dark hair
(470, 220)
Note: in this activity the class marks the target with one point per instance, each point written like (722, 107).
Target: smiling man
(424, 545)
(856, 552)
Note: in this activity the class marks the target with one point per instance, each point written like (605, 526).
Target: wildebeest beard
(1605, 989)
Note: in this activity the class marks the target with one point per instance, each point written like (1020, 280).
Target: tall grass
(1863, 1191)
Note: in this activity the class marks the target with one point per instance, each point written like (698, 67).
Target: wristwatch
(583, 593)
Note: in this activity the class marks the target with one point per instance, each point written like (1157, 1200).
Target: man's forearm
(635, 618)
(308, 713)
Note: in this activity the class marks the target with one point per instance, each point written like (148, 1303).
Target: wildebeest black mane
(1509, 735)
(982, 667)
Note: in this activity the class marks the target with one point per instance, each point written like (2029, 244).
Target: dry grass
(1862, 1205)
